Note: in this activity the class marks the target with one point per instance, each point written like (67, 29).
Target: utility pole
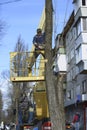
(54, 84)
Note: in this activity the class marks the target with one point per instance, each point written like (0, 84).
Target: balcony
(82, 67)
(79, 98)
(82, 11)
(62, 63)
(59, 65)
(69, 102)
(84, 97)
(82, 38)
(81, 58)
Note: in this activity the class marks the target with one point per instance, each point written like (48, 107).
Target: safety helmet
(39, 30)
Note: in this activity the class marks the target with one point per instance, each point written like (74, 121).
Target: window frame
(78, 53)
(78, 28)
(70, 94)
(83, 2)
(84, 87)
(84, 24)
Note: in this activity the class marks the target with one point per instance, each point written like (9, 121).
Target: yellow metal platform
(20, 70)
(27, 79)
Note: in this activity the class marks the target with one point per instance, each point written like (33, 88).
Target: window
(68, 58)
(83, 2)
(84, 52)
(78, 54)
(73, 72)
(68, 76)
(61, 50)
(84, 24)
(81, 53)
(78, 28)
(72, 53)
(70, 94)
(77, 89)
(78, 93)
(84, 87)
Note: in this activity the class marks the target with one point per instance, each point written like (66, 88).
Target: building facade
(71, 58)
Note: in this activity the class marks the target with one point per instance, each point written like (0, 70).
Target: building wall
(72, 41)
(76, 81)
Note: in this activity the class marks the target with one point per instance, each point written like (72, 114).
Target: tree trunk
(53, 84)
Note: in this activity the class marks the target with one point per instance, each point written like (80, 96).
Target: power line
(66, 12)
(8, 2)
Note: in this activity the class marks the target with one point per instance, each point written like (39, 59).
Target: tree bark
(54, 84)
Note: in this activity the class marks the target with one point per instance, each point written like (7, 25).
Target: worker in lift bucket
(39, 42)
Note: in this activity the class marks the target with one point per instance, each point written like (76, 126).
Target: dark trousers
(37, 53)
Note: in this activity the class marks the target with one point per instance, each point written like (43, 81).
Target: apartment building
(71, 48)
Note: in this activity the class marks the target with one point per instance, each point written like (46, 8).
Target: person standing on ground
(76, 121)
